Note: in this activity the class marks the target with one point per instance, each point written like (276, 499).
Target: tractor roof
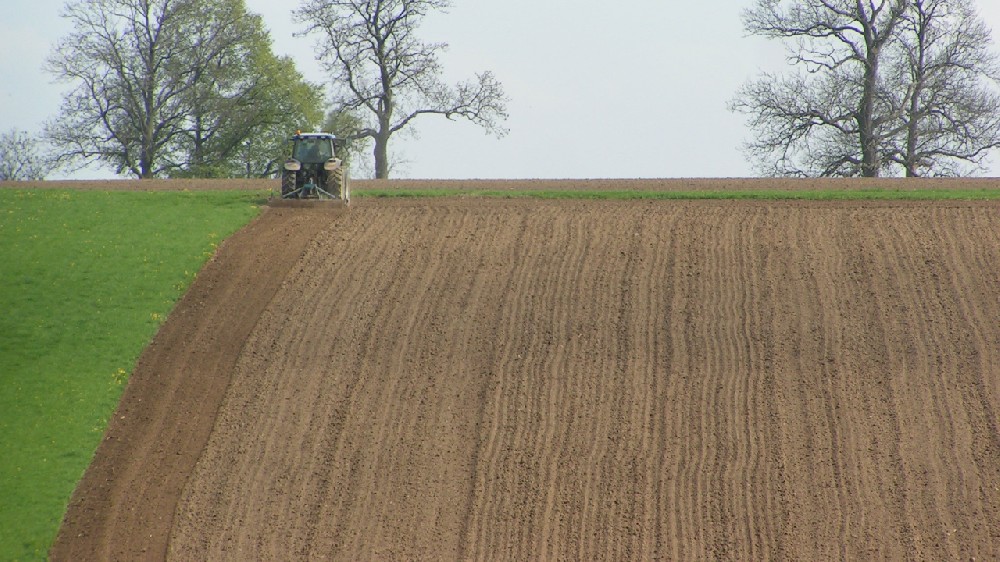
(313, 136)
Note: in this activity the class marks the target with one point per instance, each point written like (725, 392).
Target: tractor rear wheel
(335, 182)
(287, 183)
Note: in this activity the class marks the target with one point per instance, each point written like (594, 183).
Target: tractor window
(313, 150)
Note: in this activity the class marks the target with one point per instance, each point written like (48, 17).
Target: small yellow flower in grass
(156, 316)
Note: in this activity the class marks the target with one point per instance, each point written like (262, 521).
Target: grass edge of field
(94, 242)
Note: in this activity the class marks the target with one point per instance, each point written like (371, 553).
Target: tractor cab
(312, 148)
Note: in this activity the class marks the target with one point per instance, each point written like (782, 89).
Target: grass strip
(762, 195)
(87, 277)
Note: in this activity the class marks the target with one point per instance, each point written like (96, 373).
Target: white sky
(637, 90)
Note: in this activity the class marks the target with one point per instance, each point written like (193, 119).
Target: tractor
(314, 171)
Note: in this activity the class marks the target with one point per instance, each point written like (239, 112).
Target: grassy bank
(86, 280)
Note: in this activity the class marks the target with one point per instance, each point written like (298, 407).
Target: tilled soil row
(487, 379)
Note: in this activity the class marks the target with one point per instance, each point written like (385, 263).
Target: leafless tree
(19, 157)
(380, 67)
(825, 119)
(880, 87)
(951, 109)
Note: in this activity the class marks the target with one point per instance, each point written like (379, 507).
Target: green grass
(86, 278)
(763, 194)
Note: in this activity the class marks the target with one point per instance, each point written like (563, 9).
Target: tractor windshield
(313, 150)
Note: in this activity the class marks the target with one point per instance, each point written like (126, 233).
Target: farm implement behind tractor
(314, 173)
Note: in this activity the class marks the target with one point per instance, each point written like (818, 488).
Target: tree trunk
(145, 161)
(198, 150)
(866, 118)
(914, 117)
(913, 132)
(381, 157)
(875, 40)
(381, 139)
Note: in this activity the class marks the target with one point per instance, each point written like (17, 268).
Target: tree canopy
(175, 87)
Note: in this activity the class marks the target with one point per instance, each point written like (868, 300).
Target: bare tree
(881, 87)
(19, 157)
(826, 119)
(951, 110)
(380, 67)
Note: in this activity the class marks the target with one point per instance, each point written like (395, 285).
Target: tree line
(191, 88)
(175, 88)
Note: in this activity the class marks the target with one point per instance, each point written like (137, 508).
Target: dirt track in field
(509, 379)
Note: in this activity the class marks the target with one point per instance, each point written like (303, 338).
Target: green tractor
(314, 171)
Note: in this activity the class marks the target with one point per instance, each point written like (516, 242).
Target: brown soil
(508, 379)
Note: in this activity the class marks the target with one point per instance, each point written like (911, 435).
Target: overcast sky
(634, 88)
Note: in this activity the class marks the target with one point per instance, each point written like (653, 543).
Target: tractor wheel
(287, 183)
(335, 182)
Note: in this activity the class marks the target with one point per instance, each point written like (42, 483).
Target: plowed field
(510, 379)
